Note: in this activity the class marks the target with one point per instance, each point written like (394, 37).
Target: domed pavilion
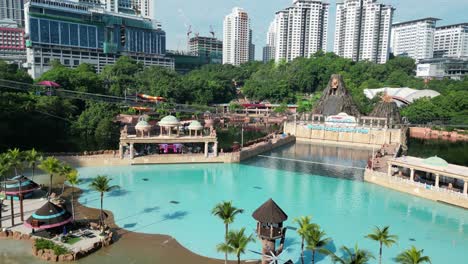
(143, 128)
(167, 126)
(195, 126)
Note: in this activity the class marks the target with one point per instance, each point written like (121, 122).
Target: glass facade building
(61, 27)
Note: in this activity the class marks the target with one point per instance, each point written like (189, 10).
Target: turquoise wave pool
(177, 200)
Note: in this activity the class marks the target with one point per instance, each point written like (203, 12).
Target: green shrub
(47, 244)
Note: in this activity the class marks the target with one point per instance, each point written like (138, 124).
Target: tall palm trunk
(380, 253)
(313, 256)
(50, 186)
(102, 200)
(20, 197)
(33, 168)
(238, 258)
(302, 251)
(226, 228)
(72, 206)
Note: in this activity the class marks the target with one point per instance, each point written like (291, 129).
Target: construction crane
(212, 31)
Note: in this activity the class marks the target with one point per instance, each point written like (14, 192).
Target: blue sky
(177, 15)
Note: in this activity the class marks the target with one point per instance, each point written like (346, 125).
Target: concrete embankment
(234, 157)
(361, 137)
(417, 189)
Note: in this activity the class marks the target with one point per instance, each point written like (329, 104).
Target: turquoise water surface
(177, 200)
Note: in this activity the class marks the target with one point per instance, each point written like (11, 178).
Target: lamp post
(242, 136)
(373, 149)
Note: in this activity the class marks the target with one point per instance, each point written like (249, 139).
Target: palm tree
(412, 256)
(72, 178)
(51, 166)
(101, 185)
(305, 226)
(4, 166)
(226, 212)
(64, 171)
(236, 243)
(15, 158)
(32, 157)
(316, 242)
(357, 256)
(383, 237)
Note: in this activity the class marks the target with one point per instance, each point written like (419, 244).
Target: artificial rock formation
(336, 99)
(387, 108)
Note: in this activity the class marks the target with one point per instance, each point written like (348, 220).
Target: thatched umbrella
(49, 216)
(388, 109)
(336, 99)
(27, 186)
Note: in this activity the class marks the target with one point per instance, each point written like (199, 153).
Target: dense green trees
(76, 125)
(95, 126)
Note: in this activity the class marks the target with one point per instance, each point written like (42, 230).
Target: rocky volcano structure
(387, 108)
(336, 99)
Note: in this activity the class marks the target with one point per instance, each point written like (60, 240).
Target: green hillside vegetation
(53, 123)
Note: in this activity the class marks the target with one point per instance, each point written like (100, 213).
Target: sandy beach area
(131, 247)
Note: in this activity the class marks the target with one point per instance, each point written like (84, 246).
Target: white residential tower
(236, 41)
(363, 30)
(299, 30)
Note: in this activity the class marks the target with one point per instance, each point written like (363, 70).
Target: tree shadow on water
(85, 180)
(178, 215)
(318, 257)
(129, 225)
(118, 193)
(151, 209)
(292, 244)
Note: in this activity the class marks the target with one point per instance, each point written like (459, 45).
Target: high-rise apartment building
(451, 41)
(210, 50)
(251, 46)
(269, 48)
(12, 9)
(299, 30)
(363, 29)
(236, 41)
(75, 33)
(414, 39)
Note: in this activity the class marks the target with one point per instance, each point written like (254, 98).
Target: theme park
(172, 164)
(128, 134)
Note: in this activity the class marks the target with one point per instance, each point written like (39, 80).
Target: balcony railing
(270, 232)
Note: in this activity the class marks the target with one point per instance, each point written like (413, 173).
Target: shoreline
(139, 247)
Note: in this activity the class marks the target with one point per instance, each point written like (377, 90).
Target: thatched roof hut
(270, 212)
(336, 99)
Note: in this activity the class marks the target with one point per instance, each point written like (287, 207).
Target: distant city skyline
(177, 15)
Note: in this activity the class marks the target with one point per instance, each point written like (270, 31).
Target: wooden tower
(270, 218)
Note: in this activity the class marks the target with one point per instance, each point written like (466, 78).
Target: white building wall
(451, 41)
(415, 39)
(281, 38)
